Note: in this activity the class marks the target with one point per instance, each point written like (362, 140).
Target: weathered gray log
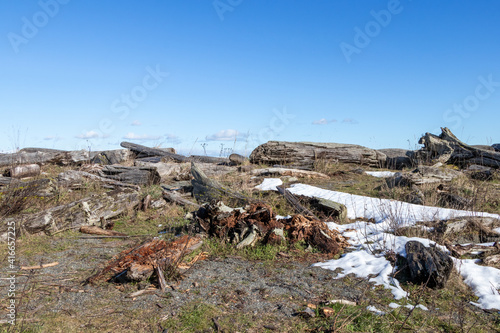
(88, 211)
(182, 171)
(108, 157)
(427, 265)
(140, 149)
(206, 190)
(165, 152)
(76, 179)
(292, 199)
(176, 198)
(23, 171)
(41, 150)
(306, 154)
(131, 175)
(239, 159)
(398, 158)
(28, 158)
(53, 156)
(446, 148)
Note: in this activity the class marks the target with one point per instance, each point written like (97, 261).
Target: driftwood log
(147, 151)
(131, 175)
(206, 189)
(306, 154)
(76, 179)
(446, 148)
(62, 157)
(88, 211)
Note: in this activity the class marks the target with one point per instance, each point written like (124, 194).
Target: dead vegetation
(139, 274)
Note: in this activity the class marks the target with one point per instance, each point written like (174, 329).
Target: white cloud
(143, 137)
(224, 135)
(88, 135)
(136, 123)
(323, 121)
(52, 137)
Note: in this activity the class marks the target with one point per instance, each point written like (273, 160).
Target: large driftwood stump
(446, 148)
(306, 154)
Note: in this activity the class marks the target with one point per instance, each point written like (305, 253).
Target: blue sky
(193, 74)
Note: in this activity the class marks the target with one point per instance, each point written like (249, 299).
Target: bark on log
(307, 153)
(446, 148)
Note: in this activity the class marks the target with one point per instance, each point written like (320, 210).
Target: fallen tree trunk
(151, 152)
(23, 171)
(76, 179)
(147, 151)
(446, 148)
(131, 175)
(306, 154)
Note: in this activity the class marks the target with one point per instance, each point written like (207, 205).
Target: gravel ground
(277, 289)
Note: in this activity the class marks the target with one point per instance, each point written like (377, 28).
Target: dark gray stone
(427, 265)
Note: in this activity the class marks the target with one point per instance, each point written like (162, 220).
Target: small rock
(307, 313)
(427, 265)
